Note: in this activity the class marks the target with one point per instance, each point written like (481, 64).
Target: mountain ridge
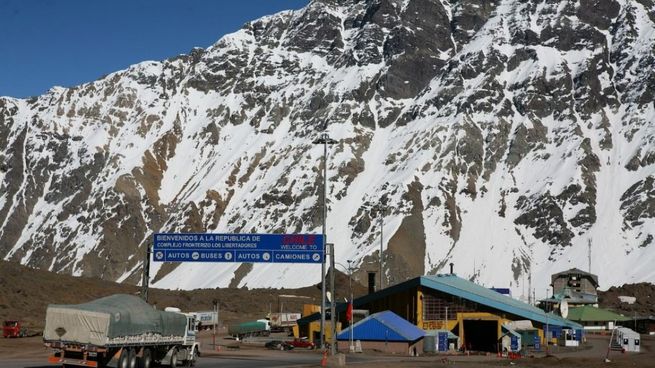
(502, 136)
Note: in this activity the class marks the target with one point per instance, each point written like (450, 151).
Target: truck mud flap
(69, 361)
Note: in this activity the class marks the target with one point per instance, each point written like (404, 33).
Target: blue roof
(465, 289)
(383, 326)
(451, 284)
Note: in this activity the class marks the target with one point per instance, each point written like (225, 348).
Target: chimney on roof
(451, 268)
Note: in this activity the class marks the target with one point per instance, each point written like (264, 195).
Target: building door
(481, 335)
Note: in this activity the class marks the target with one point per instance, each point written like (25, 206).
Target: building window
(434, 307)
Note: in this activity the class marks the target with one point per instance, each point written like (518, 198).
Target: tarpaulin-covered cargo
(246, 328)
(113, 320)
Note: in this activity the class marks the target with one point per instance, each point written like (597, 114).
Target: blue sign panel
(249, 248)
(514, 343)
(442, 343)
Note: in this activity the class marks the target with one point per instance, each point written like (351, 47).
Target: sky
(46, 43)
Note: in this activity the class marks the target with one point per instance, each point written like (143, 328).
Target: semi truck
(122, 331)
(260, 327)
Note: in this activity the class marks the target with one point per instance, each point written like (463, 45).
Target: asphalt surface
(232, 362)
(227, 360)
(30, 353)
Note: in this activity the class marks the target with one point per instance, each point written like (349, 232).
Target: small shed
(439, 341)
(627, 339)
(384, 331)
(510, 340)
(529, 334)
(569, 337)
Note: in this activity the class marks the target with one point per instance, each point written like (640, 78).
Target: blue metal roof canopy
(383, 326)
(465, 289)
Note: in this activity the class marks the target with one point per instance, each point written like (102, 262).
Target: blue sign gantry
(250, 248)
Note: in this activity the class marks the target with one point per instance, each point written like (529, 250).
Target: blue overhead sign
(267, 248)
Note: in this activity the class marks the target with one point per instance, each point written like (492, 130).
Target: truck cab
(191, 329)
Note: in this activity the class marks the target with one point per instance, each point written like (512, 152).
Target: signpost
(249, 248)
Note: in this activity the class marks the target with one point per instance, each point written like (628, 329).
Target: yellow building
(472, 312)
(312, 327)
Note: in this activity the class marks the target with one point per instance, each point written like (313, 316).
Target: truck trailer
(119, 330)
(260, 327)
(283, 321)
(206, 319)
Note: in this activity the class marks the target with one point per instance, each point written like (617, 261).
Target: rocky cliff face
(503, 136)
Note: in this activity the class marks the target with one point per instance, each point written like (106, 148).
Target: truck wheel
(124, 358)
(146, 359)
(132, 361)
(173, 360)
(194, 357)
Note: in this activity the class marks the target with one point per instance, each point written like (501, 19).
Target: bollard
(324, 360)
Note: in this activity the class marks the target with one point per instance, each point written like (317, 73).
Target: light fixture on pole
(324, 139)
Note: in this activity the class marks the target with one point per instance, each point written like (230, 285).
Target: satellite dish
(328, 295)
(564, 309)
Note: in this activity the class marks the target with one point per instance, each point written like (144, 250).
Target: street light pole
(350, 286)
(333, 302)
(380, 207)
(350, 269)
(324, 139)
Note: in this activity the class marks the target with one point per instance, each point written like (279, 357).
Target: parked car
(278, 345)
(302, 342)
(13, 329)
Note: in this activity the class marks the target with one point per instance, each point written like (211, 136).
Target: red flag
(349, 312)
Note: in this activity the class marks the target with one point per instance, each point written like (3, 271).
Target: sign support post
(324, 139)
(146, 274)
(333, 302)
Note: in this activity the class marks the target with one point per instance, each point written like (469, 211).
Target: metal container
(430, 344)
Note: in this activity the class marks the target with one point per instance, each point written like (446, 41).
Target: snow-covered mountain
(503, 136)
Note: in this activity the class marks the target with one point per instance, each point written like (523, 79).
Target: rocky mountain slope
(503, 136)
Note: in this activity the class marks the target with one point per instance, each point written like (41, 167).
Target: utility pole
(381, 208)
(215, 302)
(350, 285)
(546, 335)
(530, 285)
(324, 139)
(589, 254)
(333, 302)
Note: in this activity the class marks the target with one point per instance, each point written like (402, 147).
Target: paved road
(252, 358)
